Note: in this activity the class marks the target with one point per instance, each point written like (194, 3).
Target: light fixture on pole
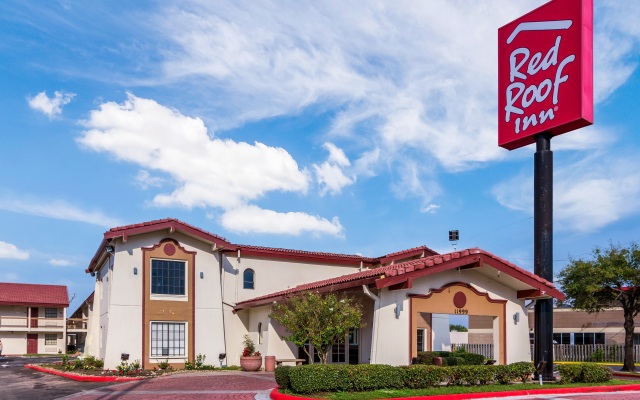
(454, 236)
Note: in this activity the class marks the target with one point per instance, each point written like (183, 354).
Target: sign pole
(543, 252)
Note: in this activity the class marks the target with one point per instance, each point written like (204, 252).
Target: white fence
(591, 352)
(485, 349)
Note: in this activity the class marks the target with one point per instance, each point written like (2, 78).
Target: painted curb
(83, 378)
(275, 395)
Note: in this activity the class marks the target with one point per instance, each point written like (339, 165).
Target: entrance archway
(462, 299)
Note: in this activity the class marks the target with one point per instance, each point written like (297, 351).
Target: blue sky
(359, 127)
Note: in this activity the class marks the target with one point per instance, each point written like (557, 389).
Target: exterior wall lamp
(110, 249)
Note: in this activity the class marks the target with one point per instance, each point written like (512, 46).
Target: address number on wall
(461, 311)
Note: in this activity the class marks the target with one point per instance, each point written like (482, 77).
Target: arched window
(248, 278)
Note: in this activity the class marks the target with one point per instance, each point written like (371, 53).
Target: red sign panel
(545, 72)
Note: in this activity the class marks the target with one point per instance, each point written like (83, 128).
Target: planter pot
(270, 363)
(251, 363)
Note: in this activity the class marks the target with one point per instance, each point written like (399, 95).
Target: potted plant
(251, 360)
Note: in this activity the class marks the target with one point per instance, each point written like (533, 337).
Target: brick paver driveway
(201, 385)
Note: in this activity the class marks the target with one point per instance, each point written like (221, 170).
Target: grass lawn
(389, 393)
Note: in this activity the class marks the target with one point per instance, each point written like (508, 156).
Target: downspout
(224, 326)
(374, 328)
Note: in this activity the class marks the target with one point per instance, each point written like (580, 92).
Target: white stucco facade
(219, 307)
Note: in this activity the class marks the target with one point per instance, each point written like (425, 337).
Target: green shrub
(502, 373)
(163, 365)
(584, 372)
(592, 373)
(365, 377)
(282, 376)
(423, 376)
(471, 358)
(453, 361)
(522, 370)
(597, 356)
(318, 378)
(444, 354)
(426, 357)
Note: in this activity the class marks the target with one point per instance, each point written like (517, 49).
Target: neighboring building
(576, 327)
(77, 325)
(166, 290)
(32, 318)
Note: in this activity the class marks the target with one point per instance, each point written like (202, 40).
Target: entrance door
(34, 317)
(32, 343)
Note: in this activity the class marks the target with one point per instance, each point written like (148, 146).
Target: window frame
(183, 339)
(245, 281)
(50, 342)
(49, 310)
(163, 296)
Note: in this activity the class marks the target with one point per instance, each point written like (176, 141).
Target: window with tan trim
(168, 277)
(168, 339)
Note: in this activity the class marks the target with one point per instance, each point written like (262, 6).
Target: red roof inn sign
(545, 72)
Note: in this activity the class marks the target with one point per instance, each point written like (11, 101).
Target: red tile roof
(172, 225)
(27, 294)
(410, 269)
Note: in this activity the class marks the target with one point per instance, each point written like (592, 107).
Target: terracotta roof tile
(395, 270)
(33, 295)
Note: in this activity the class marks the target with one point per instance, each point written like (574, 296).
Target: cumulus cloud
(8, 250)
(588, 193)
(56, 209)
(205, 171)
(251, 218)
(330, 174)
(404, 78)
(59, 262)
(144, 180)
(50, 107)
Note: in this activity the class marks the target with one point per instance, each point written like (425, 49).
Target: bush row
(450, 358)
(316, 378)
(339, 377)
(584, 372)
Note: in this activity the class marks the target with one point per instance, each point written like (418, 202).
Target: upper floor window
(248, 278)
(51, 313)
(168, 277)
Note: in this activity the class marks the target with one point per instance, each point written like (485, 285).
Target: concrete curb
(275, 395)
(83, 378)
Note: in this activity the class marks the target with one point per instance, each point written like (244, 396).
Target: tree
(458, 328)
(610, 279)
(320, 320)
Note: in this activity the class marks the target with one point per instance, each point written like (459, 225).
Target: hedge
(584, 372)
(450, 358)
(316, 378)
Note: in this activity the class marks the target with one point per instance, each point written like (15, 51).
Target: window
(353, 336)
(420, 340)
(248, 278)
(636, 339)
(168, 277)
(338, 353)
(167, 339)
(588, 338)
(51, 339)
(561, 338)
(51, 313)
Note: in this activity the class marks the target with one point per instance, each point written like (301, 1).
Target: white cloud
(430, 208)
(59, 262)
(254, 219)
(144, 180)
(56, 209)
(8, 250)
(207, 172)
(330, 174)
(588, 194)
(51, 107)
(405, 78)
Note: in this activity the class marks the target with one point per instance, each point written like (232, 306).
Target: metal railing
(591, 352)
(77, 323)
(31, 323)
(485, 349)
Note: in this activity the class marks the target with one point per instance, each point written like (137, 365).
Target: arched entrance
(459, 298)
